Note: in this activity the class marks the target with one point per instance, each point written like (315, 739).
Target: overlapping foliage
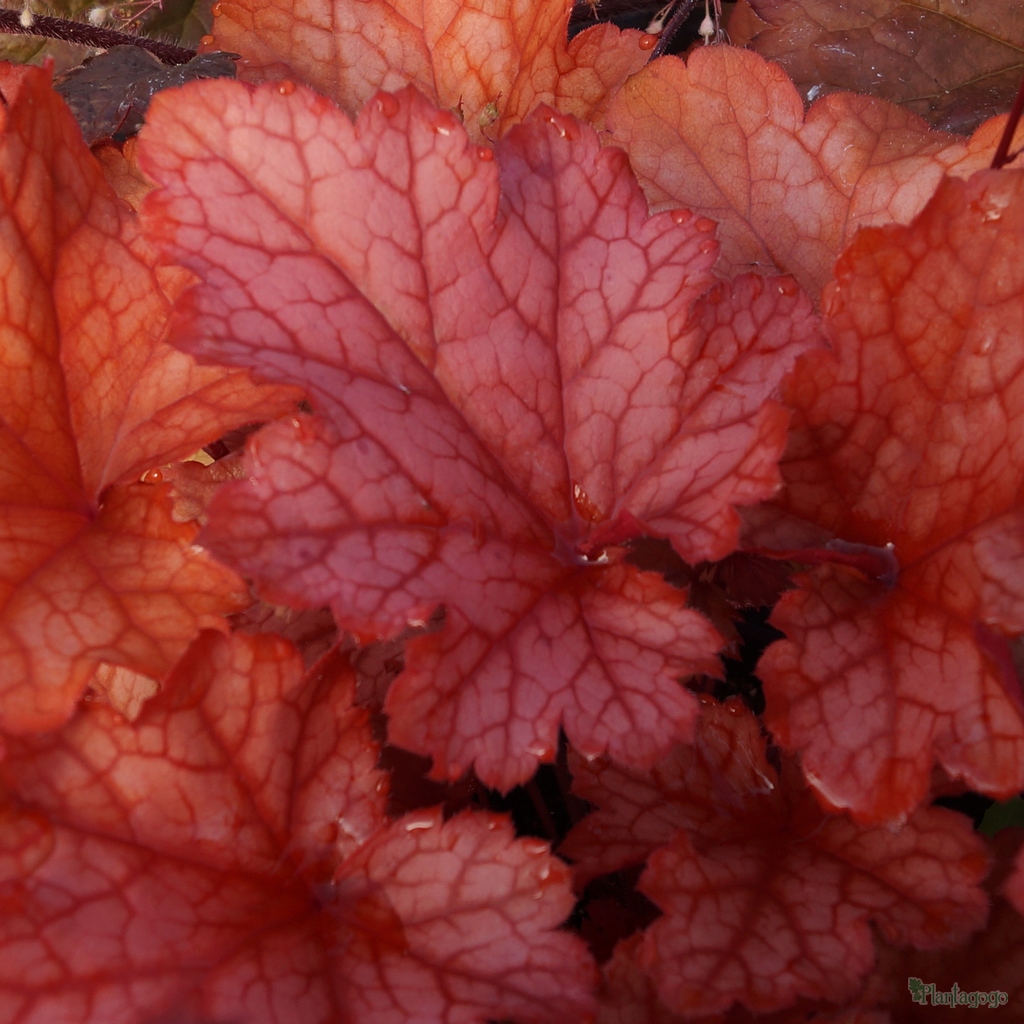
(492, 357)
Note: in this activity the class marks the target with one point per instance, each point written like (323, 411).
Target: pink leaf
(477, 909)
(225, 854)
(508, 382)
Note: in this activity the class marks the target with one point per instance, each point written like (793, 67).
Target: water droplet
(152, 476)
(708, 247)
(681, 216)
(485, 153)
(387, 104)
(648, 41)
(206, 40)
(414, 823)
(444, 123)
(286, 88)
(217, 10)
(704, 224)
(788, 287)
(586, 508)
(535, 847)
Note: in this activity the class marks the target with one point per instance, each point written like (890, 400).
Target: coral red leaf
(91, 397)
(726, 135)
(909, 435)
(491, 62)
(477, 909)
(191, 864)
(769, 899)
(724, 769)
(600, 655)
(507, 378)
(188, 845)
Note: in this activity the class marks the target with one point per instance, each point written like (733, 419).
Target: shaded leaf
(726, 135)
(952, 62)
(228, 853)
(508, 385)
(1014, 890)
(766, 897)
(910, 436)
(94, 568)
(110, 93)
(181, 21)
(492, 62)
(991, 965)
(723, 771)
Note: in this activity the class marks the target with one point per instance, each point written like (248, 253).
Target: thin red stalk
(90, 35)
(1002, 155)
(540, 806)
(682, 12)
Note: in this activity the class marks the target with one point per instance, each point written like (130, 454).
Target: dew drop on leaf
(535, 847)
(387, 104)
(415, 823)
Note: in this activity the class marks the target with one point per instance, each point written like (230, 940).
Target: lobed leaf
(708, 788)
(493, 61)
(907, 446)
(478, 910)
(506, 384)
(228, 853)
(770, 899)
(94, 568)
(726, 135)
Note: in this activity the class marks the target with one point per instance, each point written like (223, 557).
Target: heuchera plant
(549, 362)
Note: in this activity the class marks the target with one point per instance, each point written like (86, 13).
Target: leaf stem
(668, 33)
(91, 35)
(1002, 155)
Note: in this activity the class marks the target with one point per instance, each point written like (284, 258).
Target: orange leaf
(726, 135)
(492, 62)
(907, 447)
(94, 568)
